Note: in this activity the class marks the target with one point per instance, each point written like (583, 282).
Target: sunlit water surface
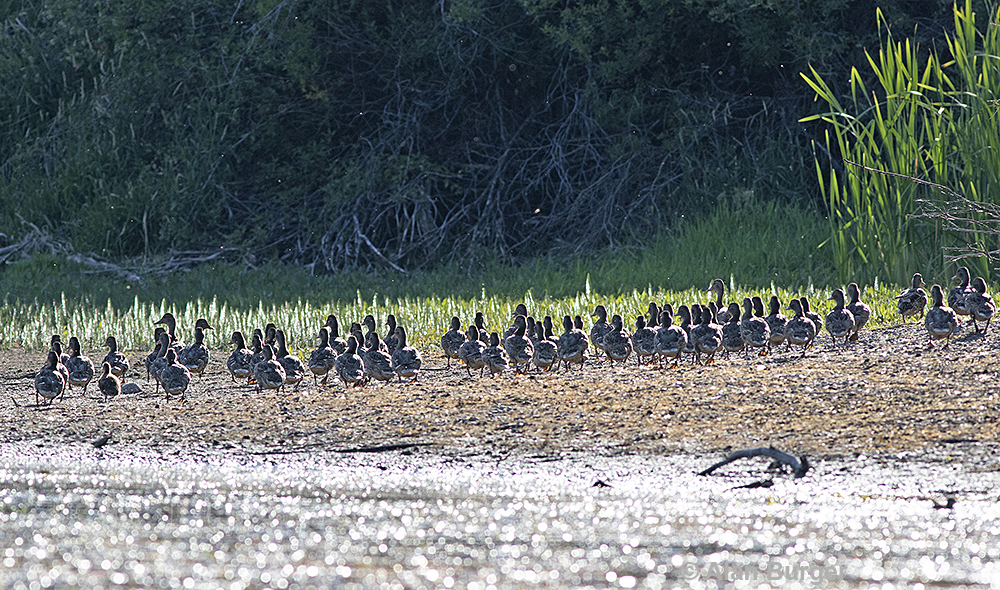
(74, 516)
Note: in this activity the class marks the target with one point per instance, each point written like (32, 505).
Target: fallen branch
(799, 466)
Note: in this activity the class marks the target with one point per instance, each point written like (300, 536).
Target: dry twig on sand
(799, 465)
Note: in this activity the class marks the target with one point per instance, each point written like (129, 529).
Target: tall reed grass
(928, 118)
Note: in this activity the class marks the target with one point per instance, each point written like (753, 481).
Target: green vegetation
(932, 118)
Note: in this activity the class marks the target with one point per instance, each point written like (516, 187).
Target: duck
(390, 338)
(115, 358)
(732, 338)
(980, 305)
(349, 365)
(529, 329)
(670, 340)
(518, 346)
(519, 310)
(598, 330)
(776, 321)
(652, 317)
(858, 309)
(195, 357)
(644, 340)
(376, 360)
(941, 321)
(268, 373)
(958, 293)
(807, 311)
(323, 358)
(295, 369)
(371, 338)
(80, 367)
(719, 288)
(913, 300)
(573, 344)
(546, 352)
(799, 330)
(495, 356)
(549, 328)
(175, 377)
(170, 322)
(755, 330)
(406, 360)
(270, 334)
(160, 362)
(690, 317)
(257, 346)
(338, 344)
(617, 341)
(840, 321)
(480, 321)
(707, 337)
(109, 384)
(452, 340)
(49, 382)
(239, 363)
(61, 360)
(471, 351)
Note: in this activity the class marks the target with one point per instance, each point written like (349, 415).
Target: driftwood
(799, 465)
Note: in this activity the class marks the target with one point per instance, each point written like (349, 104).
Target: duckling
(980, 305)
(529, 329)
(817, 319)
(578, 322)
(471, 351)
(644, 340)
(495, 356)
(670, 340)
(338, 344)
(690, 317)
(518, 347)
(49, 382)
(719, 288)
(61, 360)
(549, 334)
(452, 340)
(377, 362)
(257, 347)
(238, 363)
(175, 377)
(707, 337)
(109, 384)
(754, 330)
(617, 341)
(480, 322)
(546, 352)
(405, 359)
(572, 344)
(268, 373)
(117, 360)
(941, 321)
(800, 330)
(776, 321)
(732, 338)
(840, 321)
(81, 369)
(653, 317)
(958, 293)
(598, 330)
(390, 338)
(322, 359)
(270, 335)
(160, 362)
(858, 309)
(295, 369)
(171, 323)
(349, 365)
(371, 337)
(913, 300)
(195, 357)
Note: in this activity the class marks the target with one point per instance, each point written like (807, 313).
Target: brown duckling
(572, 344)
(268, 373)
(349, 365)
(799, 330)
(941, 321)
(670, 340)
(391, 342)
(295, 369)
(195, 357)
(495, 356)
(719, 288)
(807, 311)
(406, 360)
(599, 330)
(61, 360)
(452, 340)
(755, 331)
(858, 309)
(171, 323)
(519, 310)
(80, 367)
(109, 384)
(323, 358)
(958, 293)
(471, 351)
(644, 340)
(913, 300)
(376, 360)
(546, 352)
(160, 362)
(174, 378)
(840, 321)
(617, 341)
(239, 363)
(980, 304)
(518, 346)
(732, 337)
(49, 382)
(707, 337)
(338, 344)
(115, 358)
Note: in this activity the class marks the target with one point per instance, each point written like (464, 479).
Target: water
(75, 516)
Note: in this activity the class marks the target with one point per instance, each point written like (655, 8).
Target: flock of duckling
(363, 357)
